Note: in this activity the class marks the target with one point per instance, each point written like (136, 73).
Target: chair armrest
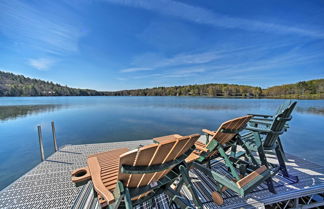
(203, 149)
(98, 185)
(263, 119)
(263, 130)
(80, 175)
(208, 132)
(260, 130)
(262, 122)
(261, 115)
(249, 178)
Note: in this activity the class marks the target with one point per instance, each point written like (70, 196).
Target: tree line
(18, 85)
(212, 90)
(313, 89)
(304, 89)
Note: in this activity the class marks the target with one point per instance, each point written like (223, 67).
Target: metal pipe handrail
(54, 136)
(40, 139)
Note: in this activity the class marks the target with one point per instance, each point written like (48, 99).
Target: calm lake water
(81, 120)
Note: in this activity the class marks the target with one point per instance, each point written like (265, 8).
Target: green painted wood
(187, 181)
(265, 137)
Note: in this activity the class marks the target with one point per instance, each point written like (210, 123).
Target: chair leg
(207, 138)
(281, 160)
(260, 150)
(233, 149)
(282, 165)
(178, 200)
(185, 175)
(264, 161)
(281, 149)
(179, 186)
(270, 186)
(249, 154)
(209, 164)
(127, 199)
(228, 163)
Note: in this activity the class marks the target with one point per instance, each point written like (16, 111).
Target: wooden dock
(49, 185)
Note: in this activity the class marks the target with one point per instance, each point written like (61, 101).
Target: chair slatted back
(154, 154)
(283, 106)
(228, 130)
(278, 125)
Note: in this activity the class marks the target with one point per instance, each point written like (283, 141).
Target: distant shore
(19, 85)
(304, 97)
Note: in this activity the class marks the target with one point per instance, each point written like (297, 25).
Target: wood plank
(143, 158)
(192, 157)
(212, 133)
(127, 158)
(168, 137)
(164, 148)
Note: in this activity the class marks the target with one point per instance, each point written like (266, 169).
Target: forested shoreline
(313, 89)
(19, 85)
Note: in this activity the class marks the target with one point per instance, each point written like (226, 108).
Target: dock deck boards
(49, 185)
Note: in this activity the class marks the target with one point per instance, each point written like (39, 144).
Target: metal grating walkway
(49, 185)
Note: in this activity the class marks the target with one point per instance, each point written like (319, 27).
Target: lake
(81, 120)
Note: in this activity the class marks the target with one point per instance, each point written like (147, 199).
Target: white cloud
(244, 62)
(149, 61)
(41, 63)
(179, 73)
(204, 16)
(192, 70)
(134, 69)
(44, 29)
(183, 59)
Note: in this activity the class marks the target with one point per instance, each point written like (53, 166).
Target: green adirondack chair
(243, 181)
(124, 179)
(266, 120)
(264, 133)
(263, 117)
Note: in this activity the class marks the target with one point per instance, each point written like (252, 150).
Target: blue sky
(123, 44)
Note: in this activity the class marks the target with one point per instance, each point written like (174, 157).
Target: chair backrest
(227, 131)
(283, 106)
(154, 154)
(278, 124)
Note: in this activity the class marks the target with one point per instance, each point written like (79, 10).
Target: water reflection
(13, 112)
(10, 112)
(83, 120)
(227, 104)
(311, 110)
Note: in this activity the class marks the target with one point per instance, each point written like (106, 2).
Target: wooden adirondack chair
(227, 133)
(264, 136)
(123, 178)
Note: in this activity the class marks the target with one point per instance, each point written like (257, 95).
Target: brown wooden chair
(222, 138)
(123, 178)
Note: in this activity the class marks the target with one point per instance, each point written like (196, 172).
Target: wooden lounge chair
(123, 178)
(263, 136)
(245, 180)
